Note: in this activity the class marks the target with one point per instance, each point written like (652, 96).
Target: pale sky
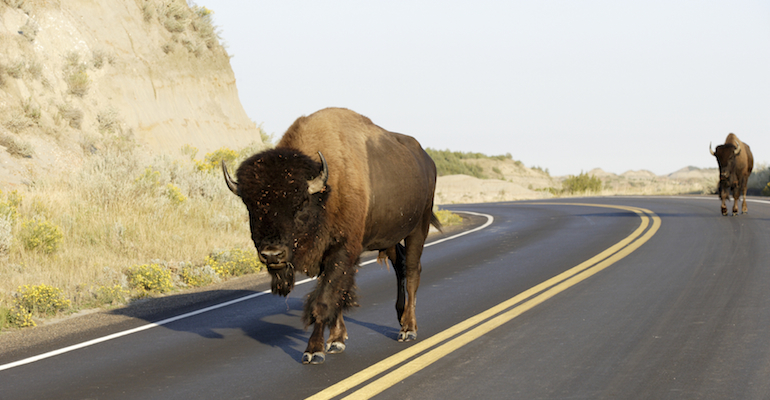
(563, 85)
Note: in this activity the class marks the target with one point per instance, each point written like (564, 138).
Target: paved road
(579, 298)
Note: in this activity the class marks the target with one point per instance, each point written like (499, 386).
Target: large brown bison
(334, 186)
(735, 164)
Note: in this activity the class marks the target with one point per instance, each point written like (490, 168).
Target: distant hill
(503, 179)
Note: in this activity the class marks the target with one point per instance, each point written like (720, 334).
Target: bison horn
(231, 184)
(711, 151)
(737, 148)
(318, 183)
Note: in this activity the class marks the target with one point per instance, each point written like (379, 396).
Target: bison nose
(274, 256)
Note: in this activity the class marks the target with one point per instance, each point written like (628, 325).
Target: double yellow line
(434, 348)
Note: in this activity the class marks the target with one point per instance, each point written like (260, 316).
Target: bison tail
(435, 222)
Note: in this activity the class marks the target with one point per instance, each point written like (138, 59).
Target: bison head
(284, 192)
(726, 155)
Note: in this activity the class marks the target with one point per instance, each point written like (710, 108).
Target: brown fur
(340, 135)
(379, 192)
(735, 165)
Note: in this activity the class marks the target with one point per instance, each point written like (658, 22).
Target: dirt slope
(76, 73)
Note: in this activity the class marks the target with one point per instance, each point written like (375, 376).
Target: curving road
(648, 297)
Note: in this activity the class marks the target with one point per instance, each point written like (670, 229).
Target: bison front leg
(724, 193)
(338, 333)
(314, 353)
(324, 306)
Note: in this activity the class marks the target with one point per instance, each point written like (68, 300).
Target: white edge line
(92, 342)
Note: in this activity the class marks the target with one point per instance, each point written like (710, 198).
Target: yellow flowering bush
(234, 262)
(448, 218)
(212, 160)
(20, 318)
(149, 278)
(175, 194)
(198, 276)
(114, 294)
(40, 300)
(40, 235)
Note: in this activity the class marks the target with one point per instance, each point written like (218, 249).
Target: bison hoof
(335, 347)
(407, 336)
(314, 358)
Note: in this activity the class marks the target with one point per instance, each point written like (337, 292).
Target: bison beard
(283, 280)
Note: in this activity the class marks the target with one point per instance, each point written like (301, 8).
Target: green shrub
(41, 300)
(149, 278)
(41, 235)
(235, 262)
(766, 190)
(582, 183)
(451, 163)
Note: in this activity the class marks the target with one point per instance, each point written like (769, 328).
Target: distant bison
(334, 186)
(735, 164)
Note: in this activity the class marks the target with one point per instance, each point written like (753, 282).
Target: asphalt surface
(678, 308)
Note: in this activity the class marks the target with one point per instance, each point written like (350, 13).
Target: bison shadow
(260, 318)
(271, 320)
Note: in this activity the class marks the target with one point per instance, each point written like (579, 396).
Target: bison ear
(231, 184)
(318, 183)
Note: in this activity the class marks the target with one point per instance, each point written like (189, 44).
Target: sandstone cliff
(75, 73)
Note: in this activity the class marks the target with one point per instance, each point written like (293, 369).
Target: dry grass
(115, 213)
(71, 114)
(16, 146)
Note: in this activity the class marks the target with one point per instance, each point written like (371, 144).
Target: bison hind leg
(397, 256)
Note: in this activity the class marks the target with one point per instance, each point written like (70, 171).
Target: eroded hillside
(75, 74)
